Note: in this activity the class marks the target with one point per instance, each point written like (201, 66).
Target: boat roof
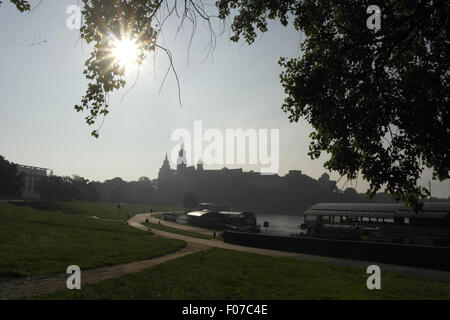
(200, 213)
(227, 213)
(381, 210)
(231, 212)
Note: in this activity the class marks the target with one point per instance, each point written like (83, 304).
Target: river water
(280, 224)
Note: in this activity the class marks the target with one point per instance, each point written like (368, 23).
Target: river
(280, 224)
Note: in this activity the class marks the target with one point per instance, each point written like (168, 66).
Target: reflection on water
(181, 219)
(280, 224)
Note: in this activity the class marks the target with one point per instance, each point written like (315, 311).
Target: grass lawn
(36, 242)
(224, 274)
(100, 209)
(180, 231)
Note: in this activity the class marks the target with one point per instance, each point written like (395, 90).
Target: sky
(41, 65)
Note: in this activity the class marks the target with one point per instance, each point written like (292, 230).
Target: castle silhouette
(252, 191)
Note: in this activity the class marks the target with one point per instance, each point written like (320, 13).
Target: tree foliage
(67, 188)
(377, 99)
(79, 188)
(21, 5)
(103, 23)
(11, 180)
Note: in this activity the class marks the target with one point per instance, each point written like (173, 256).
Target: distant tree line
(118, 190)
(65, 188)
(12, 183)
(11, 180)
(79, 188)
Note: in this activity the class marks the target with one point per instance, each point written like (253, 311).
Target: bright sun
(125, 52)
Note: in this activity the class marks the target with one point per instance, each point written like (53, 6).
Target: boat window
(354, 219)
(310, 218)
(365, 219)
(406, 221)
(336, 219)
(326, 218)
(373, 219)
(389, 220)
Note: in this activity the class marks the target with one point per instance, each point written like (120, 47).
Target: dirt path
(49, 283)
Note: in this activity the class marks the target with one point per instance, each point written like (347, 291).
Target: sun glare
(125, 52)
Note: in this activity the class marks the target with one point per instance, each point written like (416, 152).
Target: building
(243, 191)
(32, 177)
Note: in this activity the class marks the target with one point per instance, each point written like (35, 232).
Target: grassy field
(180, 231)
(100, 209)
(223, 274)
(35, 242)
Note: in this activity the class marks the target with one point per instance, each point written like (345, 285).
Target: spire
(165, 171)
(166, 161)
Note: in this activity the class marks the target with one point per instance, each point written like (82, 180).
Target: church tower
(165, 172)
